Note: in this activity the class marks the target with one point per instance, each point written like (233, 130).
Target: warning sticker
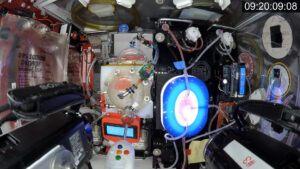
(77, 147)
(245, 158)
(33, 69)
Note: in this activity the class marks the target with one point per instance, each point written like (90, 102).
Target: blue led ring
(169, 95)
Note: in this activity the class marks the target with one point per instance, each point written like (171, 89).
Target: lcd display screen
(242, 81)
(119, 131)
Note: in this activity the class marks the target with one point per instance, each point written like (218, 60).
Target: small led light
(225, 81)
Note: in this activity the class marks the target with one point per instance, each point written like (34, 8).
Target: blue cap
(179, 65)
(124, 28)
(88, 128)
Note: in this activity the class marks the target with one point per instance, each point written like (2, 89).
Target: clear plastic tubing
(166, 27)
(202, 53)
(212, 132)
(170, 138)
(125, 131)
(186, 81)
(93, 100)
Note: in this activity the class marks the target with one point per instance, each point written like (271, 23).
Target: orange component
(115, 120)
(133, 57)
(126, 152)
(188, 152)
(122, 83)
(119, 152)
(102, 104)
(221, 116)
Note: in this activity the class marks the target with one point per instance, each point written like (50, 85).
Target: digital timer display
(271, 6)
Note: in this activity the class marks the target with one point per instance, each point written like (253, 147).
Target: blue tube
(156, 55)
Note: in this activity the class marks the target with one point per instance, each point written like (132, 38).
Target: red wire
(177, 43)
(49, 20)
(184, 153)
(45, 20)
(190, 49)
(201, 46)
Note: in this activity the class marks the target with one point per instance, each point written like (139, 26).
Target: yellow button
(119, 152)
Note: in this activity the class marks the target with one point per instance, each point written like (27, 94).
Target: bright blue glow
(119, 131)
(242, 81)
(169, 97)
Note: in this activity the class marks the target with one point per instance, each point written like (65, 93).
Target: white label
(64, 29)
(245, 158)
(13, 85)
(77, 147)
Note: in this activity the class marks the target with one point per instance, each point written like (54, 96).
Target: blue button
(120, 146)
(88, 129)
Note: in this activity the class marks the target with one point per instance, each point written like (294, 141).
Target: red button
(188, 152)
(126, 152)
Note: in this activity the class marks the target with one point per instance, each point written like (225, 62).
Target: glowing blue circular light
(170, 94)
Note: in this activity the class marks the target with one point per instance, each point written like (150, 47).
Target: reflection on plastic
(30, 54)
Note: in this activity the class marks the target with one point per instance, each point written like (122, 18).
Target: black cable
(4, 108)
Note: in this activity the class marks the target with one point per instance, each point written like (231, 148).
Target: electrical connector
(126, 3)
(182, 3)
(223, 3)
(227, 38)
(192, 34)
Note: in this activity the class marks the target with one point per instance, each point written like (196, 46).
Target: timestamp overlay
(271, 6)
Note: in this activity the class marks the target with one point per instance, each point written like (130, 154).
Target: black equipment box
(58, 139)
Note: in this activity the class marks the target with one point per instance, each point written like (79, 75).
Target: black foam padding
(276, 36)
(36, 101)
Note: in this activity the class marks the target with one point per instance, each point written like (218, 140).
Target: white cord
(100, 117)
(171, 138)
(202, 53)
(93, 100)
(215, 116)
(225, 50)
(86, 110)
(125, 131)
(212, 132)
